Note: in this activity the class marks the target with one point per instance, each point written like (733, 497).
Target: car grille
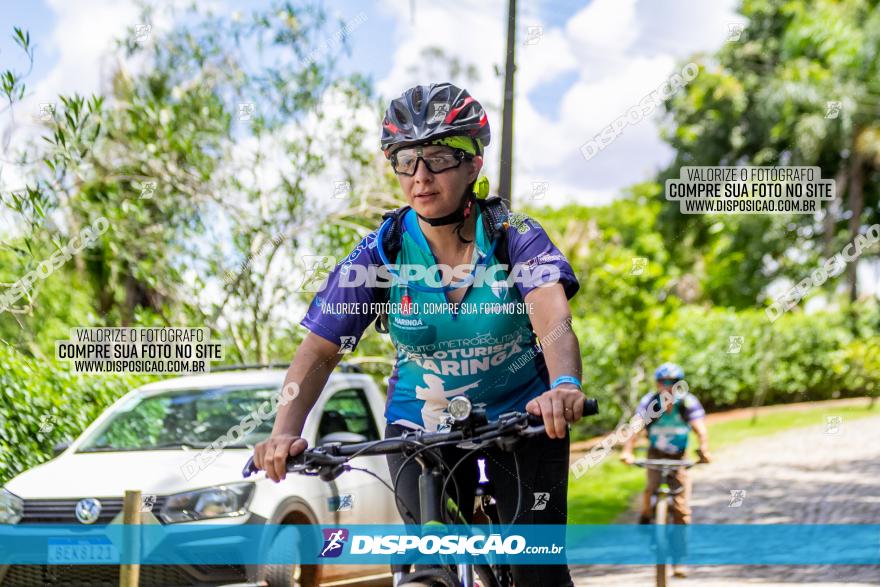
(108, 575)
(63, 511)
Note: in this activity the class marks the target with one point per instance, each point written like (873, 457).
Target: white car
(147, 441)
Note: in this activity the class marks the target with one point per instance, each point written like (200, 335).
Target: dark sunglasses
(669, 382)
(406, 161)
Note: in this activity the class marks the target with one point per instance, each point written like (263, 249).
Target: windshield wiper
(163, 446)
(174, 444)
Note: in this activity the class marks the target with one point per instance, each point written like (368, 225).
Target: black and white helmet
(425, 113)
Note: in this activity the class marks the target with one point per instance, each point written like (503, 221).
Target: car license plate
(82, 550)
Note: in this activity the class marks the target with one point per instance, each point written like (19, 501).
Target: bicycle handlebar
(335, 455)
(663, 463)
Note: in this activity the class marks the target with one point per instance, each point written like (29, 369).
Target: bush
(800, 357)
(41, 404)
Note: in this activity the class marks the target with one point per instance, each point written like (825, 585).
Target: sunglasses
(669, 382)
(406, 161)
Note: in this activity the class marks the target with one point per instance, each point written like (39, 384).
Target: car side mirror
(60, 447)
(343, 437)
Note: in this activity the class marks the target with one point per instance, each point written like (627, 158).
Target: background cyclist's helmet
(669, 371)
(425, 113)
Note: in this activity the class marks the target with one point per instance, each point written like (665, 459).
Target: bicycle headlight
(459, 408)
(223, 501)
(11, 507)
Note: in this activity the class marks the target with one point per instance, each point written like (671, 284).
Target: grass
(605, 492)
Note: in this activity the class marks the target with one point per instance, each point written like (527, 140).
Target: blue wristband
(565, 379)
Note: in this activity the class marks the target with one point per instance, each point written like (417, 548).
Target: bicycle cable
(452, 471)
(437, 459)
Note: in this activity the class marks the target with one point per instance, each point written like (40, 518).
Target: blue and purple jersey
(485, 348)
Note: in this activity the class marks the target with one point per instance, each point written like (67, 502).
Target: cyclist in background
(671, 413)
(434, 138)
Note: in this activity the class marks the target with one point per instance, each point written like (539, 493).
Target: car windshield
(186, 418)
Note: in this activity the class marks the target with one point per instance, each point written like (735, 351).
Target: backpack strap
(682, 409)
(495, 223)
(392, 240)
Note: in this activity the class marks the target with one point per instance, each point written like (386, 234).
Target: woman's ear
(476, 166)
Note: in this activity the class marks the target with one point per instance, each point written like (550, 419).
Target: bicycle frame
(662, 499)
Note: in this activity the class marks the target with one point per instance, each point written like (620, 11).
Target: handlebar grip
(591, 406)
(251, 469)
(534, 420)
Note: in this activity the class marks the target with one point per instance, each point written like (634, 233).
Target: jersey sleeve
(693, 409)
(644, 404)
(343, 305)
(539, 260)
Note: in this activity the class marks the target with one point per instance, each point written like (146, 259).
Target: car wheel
(289, 576)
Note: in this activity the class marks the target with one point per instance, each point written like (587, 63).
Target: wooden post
(129, 574)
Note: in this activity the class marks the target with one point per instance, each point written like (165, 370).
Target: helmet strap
(460, 215)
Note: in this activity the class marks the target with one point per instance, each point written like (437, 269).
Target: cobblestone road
(806, 476)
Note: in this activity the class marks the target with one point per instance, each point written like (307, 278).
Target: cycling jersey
(484, 350)
(669, 432)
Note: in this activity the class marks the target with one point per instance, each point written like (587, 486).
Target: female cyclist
(434, 137)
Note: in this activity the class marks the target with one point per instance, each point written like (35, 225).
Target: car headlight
(11, 507)
(203, 504)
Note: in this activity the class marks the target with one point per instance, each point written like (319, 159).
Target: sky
(580, 65)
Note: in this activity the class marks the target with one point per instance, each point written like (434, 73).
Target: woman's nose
(422, 173)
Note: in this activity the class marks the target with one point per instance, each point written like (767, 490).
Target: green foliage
(628, 321)
(41, 405)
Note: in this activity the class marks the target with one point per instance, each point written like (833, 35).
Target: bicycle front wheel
(660, 514)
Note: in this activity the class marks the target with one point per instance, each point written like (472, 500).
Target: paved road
(805, 476)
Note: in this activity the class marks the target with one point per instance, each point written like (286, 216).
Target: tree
(199, 158)
(800, 87)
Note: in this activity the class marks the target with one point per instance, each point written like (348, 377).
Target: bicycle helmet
(669, 371)
(423, 114)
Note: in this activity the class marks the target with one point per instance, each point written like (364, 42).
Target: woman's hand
(271, 454)
(559, 407)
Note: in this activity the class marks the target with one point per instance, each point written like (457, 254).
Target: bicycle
(469, 430)
(661, 499)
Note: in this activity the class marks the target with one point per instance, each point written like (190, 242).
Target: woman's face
(437, 194)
